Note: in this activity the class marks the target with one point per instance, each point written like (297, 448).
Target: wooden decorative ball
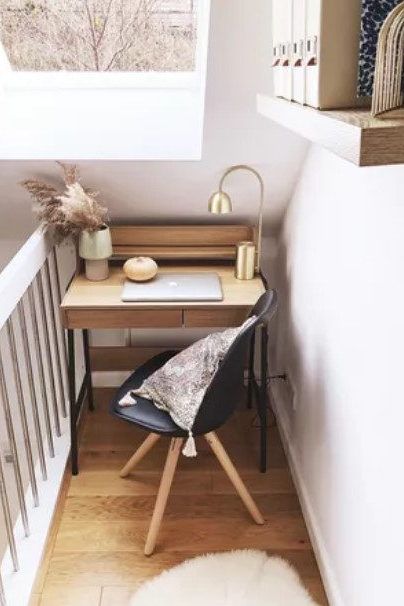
(140, 269)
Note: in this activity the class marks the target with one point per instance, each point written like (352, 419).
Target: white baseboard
(113, 378)
(317, 541)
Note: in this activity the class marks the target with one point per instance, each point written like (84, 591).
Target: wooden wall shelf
(352, 134)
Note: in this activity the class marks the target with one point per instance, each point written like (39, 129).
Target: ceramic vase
(95, 247)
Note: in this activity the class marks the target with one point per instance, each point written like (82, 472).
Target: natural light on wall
(103, 79)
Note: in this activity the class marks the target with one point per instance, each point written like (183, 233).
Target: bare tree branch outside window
(99, 35)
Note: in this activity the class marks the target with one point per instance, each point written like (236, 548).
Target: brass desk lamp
(220, 204)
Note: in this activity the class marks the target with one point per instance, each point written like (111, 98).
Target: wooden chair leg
(141, 452)
(162, 496)
(234, 477)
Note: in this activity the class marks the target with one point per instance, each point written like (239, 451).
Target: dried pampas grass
(70, 172)
(81, 209)
(70, 211)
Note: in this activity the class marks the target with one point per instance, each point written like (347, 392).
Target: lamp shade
(220, 203)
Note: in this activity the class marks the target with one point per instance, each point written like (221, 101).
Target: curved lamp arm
(231, 169)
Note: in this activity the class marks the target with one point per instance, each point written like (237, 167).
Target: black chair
(217, 406)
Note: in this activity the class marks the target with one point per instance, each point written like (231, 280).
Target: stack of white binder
(316, 51)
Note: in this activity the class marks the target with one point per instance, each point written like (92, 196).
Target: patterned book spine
(374, 13)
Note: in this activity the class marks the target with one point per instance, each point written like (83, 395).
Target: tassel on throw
(189, 449)
(127, 400)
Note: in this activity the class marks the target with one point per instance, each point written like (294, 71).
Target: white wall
(342, 299)
(238, 67)
(8, 248)
(125, 124)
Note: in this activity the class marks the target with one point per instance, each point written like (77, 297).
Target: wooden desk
(89, 305)
(98, 304)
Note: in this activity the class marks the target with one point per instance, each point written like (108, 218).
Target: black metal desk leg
(72, 400)
(250, 384)
(263, 399)
(89, 380)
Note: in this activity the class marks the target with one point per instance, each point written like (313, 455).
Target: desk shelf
(352, 134)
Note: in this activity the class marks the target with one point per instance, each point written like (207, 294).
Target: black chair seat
(144, 413)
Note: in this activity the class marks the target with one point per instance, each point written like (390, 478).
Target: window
(103, 79)
(99, 35)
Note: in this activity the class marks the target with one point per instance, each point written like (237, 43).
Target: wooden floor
(95, 555)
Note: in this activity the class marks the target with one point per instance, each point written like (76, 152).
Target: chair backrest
(224, 391)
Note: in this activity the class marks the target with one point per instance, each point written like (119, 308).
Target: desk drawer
(122, 318)
(194, 318)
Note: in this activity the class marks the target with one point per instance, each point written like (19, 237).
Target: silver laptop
(175, 287)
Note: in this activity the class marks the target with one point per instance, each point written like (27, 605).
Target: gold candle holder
(245, 261)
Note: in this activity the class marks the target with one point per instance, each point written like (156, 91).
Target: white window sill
(30, 81)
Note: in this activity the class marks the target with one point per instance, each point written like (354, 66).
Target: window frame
(14, 80)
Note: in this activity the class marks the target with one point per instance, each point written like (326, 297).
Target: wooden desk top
(107, 294)
(98, 304)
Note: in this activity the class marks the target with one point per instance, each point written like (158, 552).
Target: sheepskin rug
(237, 578)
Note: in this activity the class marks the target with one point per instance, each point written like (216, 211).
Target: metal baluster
(2, 594)
(38, 354)
(49, 353)
(34, 401)
(73, 402)
(59, 359)
(23, 413)
(13, 447)
(7, 518)
(60, 327)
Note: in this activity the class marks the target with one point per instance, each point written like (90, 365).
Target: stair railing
(33, 399)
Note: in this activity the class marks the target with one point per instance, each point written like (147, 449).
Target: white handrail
(22, 269)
